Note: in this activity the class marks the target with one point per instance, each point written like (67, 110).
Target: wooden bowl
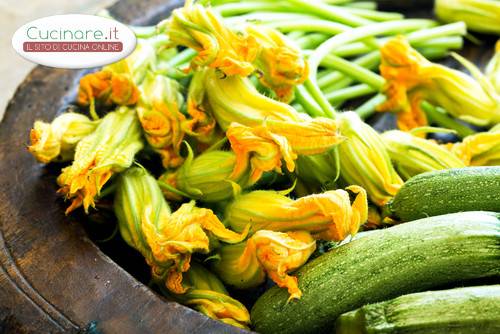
(53, 278)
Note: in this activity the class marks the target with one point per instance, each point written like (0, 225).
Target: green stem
(354, 70)
(310, 41)
(333, 13)
(362, 4)
(172, 189)
(303, 97)
(368, 108)
(368, 61)
(309, 25)
(374, 15)
(440, 117)
(320, 98)
(182, 57)
(340, 95)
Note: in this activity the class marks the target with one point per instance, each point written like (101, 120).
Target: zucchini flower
(56, 141)
(280, 63)
(209, 177)
(206, 294)
(166, 240)
(412, 79)
(235, 99)
(329, 215)
(318, 169)
(116, 83)
(413, 155)
(479, 15)
(218, 47)
(264, 146)
(161, 120)
(201, 125)
(266, 252)
(108, 150)
(480, 149)
(364, 160)
(493, 68)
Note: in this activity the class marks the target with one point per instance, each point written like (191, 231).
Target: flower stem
(368, 108)
(440, 117)
(303, 97)
(374, 15)
(340, 95)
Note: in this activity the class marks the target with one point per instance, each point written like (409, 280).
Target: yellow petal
(481, 149)
(281, 63)
(199, 28)
(259, 148)
(280, 253)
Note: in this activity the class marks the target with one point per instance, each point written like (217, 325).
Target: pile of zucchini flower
(225, 150)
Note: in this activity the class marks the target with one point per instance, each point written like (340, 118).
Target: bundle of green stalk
(230, 98)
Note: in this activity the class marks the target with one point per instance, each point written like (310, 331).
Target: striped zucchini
(384, 264)
(456, 311)
(447, 191)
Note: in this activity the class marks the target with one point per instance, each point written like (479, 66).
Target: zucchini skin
(384, 264)
(455, 311)
(447, 191)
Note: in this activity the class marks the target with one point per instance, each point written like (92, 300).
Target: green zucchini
(384, 264)
(447, 191)
(456, 311)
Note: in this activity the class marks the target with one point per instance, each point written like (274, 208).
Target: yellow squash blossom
(117, 83)
(206, 294)
(364, 159)
(108, 87)
(264, 146)
(209, 177)
(329, 215)
(266, 252)
(160, 117)
(259, 148)
(201, 125)
(235, 99)
(413, 155)
(165, 239)
(108, 150)
(56, 141)
(317, 170)
(493, 68)
(479, 15)
(480, 149)
(218, 47)
(411, 79)
(280, 63)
